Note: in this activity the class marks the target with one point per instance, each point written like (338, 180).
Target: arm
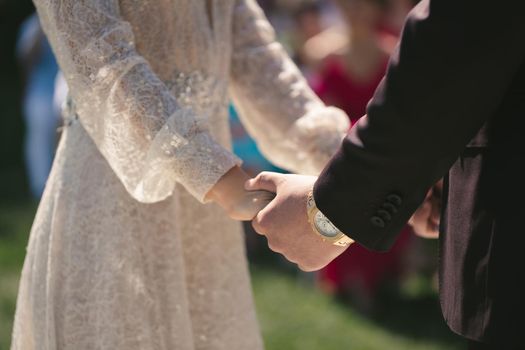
(149, 141)
(420, 119)
(430, 105)
(291, 126)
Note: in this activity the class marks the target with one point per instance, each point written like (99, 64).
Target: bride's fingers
(261, 198)
(264, 181)
(252, 203)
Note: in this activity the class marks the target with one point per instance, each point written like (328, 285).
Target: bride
(123, 253)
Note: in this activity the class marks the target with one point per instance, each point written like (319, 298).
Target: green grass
(8, 287)
(293, 315)
(15, 223)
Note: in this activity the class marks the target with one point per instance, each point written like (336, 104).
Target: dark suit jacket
(453, 100)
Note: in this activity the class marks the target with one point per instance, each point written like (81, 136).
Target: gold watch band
(340, 239)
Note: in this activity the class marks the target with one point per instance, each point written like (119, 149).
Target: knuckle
(291, 259)
(275, 246)
(257, 227)
(264, 220)
(305, 267)
(313, 265)
(276, 243)
(264, 176)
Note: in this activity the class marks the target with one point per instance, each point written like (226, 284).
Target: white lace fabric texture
(122, 253)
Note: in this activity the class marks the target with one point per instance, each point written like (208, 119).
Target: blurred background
(362, 300)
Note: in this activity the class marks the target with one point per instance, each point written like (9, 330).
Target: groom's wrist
(323, 227)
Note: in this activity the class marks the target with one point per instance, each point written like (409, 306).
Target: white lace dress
(123, 254)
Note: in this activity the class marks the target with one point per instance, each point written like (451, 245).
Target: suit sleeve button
(377, 221)
(385, 215)
(394, 199)
(390, 207)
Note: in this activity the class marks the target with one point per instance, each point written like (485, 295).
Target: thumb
(267, 181)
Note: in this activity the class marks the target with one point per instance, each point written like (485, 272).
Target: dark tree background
(12, 178)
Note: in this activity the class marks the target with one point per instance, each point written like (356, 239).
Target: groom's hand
(425, 221)
(285, 224)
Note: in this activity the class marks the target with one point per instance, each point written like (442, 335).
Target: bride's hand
(230, 194)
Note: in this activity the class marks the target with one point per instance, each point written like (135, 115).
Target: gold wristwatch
(324, 227)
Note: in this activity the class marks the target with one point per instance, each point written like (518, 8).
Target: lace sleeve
(147, 138)
(291, 126)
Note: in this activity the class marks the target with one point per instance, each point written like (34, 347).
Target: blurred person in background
(347, 79)
(40, 110)
(397, 12)
(308, 23)
(349, 75)
(389, 30)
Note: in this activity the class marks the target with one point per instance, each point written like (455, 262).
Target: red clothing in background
(357, 266)
(336, 87)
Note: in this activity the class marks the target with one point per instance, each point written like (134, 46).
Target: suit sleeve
(446, 78)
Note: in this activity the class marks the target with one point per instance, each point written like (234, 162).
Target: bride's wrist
(229, 188)
(230, 194)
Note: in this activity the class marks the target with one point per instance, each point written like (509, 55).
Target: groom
(453, 100)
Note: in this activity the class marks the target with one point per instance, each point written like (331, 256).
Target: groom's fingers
(264, 181)
(263, 222)
(260, 221)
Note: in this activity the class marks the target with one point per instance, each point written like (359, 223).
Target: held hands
(238, 203)
(285, 224)
(282, 218)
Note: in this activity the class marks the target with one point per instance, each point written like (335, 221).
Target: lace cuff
(309, 143)
(316, 137)
(196, 161)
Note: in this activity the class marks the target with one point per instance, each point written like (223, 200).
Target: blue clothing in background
(40, 114)
(246, 148)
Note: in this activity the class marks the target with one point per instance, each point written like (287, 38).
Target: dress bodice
(187, 44)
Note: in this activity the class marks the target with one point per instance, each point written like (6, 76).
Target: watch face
(324, 226)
